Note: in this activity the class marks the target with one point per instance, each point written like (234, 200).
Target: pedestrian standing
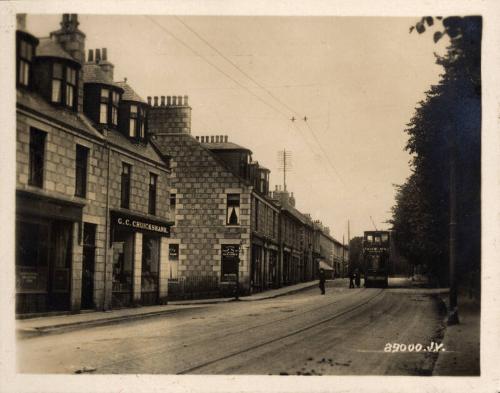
(322, 280)
(351, 279)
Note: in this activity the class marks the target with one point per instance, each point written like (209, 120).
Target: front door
(88, 266)
(60, 265)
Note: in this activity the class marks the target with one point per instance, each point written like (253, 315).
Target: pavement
(38, 326)
(461, 342)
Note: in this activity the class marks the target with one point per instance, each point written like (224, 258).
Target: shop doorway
(123, 265)
(150, 270)
(88, 266)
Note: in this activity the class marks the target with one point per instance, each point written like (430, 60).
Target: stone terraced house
(92, 193)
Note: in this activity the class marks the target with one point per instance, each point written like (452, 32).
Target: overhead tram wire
(286, 116)
(271, 94)
(236, 66)
(215, 66)
(243, 86)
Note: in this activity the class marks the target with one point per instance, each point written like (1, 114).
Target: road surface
(343, 332)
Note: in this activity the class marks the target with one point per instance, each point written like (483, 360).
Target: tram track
(200, 342)
(276, 339)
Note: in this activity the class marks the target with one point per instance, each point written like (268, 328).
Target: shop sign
(139, 224)
(230, 251)
(173, 252)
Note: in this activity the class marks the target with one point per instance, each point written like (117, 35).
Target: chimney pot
(97, 55)
(202, 139)
(225, 138)
(149, 100)
(169, 100)
(185, 100)
(90, 58)
(198, 138)
(105, 53)
(21, 21)
(179, 100)
(174, 99)
(162, 100)
(217, 139)
(211, 139)
(156, 100)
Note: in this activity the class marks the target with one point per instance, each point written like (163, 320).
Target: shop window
(103, 107)
(25, 54)
(37, 156)
(32, 247)
(173, 258)
(233, 209)
(81, 171)
(125, 186)
(133, 121)
(153, 179)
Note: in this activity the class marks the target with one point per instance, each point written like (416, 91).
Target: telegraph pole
(285, 164)
(453, 311)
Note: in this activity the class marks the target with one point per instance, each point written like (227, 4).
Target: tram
(376, 252)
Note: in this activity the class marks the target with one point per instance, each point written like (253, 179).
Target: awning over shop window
(28, 203)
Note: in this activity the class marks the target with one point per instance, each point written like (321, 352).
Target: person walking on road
(357, 278)
(322, 279)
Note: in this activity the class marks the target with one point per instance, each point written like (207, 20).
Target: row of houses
(118, 205)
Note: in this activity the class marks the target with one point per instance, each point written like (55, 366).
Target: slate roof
(224, 146)
(139, 149)
(49, 48)
(34, 102)
(92, 73)
(128, 93)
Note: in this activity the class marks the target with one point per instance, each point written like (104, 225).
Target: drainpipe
(106, 227)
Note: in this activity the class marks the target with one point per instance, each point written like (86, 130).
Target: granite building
(92, 210)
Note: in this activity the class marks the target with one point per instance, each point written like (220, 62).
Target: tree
(448, 119)
(356, 253)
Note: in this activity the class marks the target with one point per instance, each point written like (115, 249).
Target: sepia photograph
(270, 195)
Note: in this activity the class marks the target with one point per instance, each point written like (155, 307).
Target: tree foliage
(451, 111)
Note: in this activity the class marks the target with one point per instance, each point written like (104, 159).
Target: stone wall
(201, 184)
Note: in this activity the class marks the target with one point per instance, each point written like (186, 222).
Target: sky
(357, 80)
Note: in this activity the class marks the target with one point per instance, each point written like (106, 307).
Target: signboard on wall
(130, 222)
(230, 262)
(230, 251)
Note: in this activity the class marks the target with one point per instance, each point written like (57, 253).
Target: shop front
(136, 253)
(47, 231)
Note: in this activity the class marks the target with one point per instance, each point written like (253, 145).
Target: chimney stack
(97, 56)
(70, 37)
(149, 100)
(105, 54)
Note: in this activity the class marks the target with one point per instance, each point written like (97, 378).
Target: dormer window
(103, 108)
(133, 121)
(114, 107)
(64, 85)
(70, 86)
(25, 57)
